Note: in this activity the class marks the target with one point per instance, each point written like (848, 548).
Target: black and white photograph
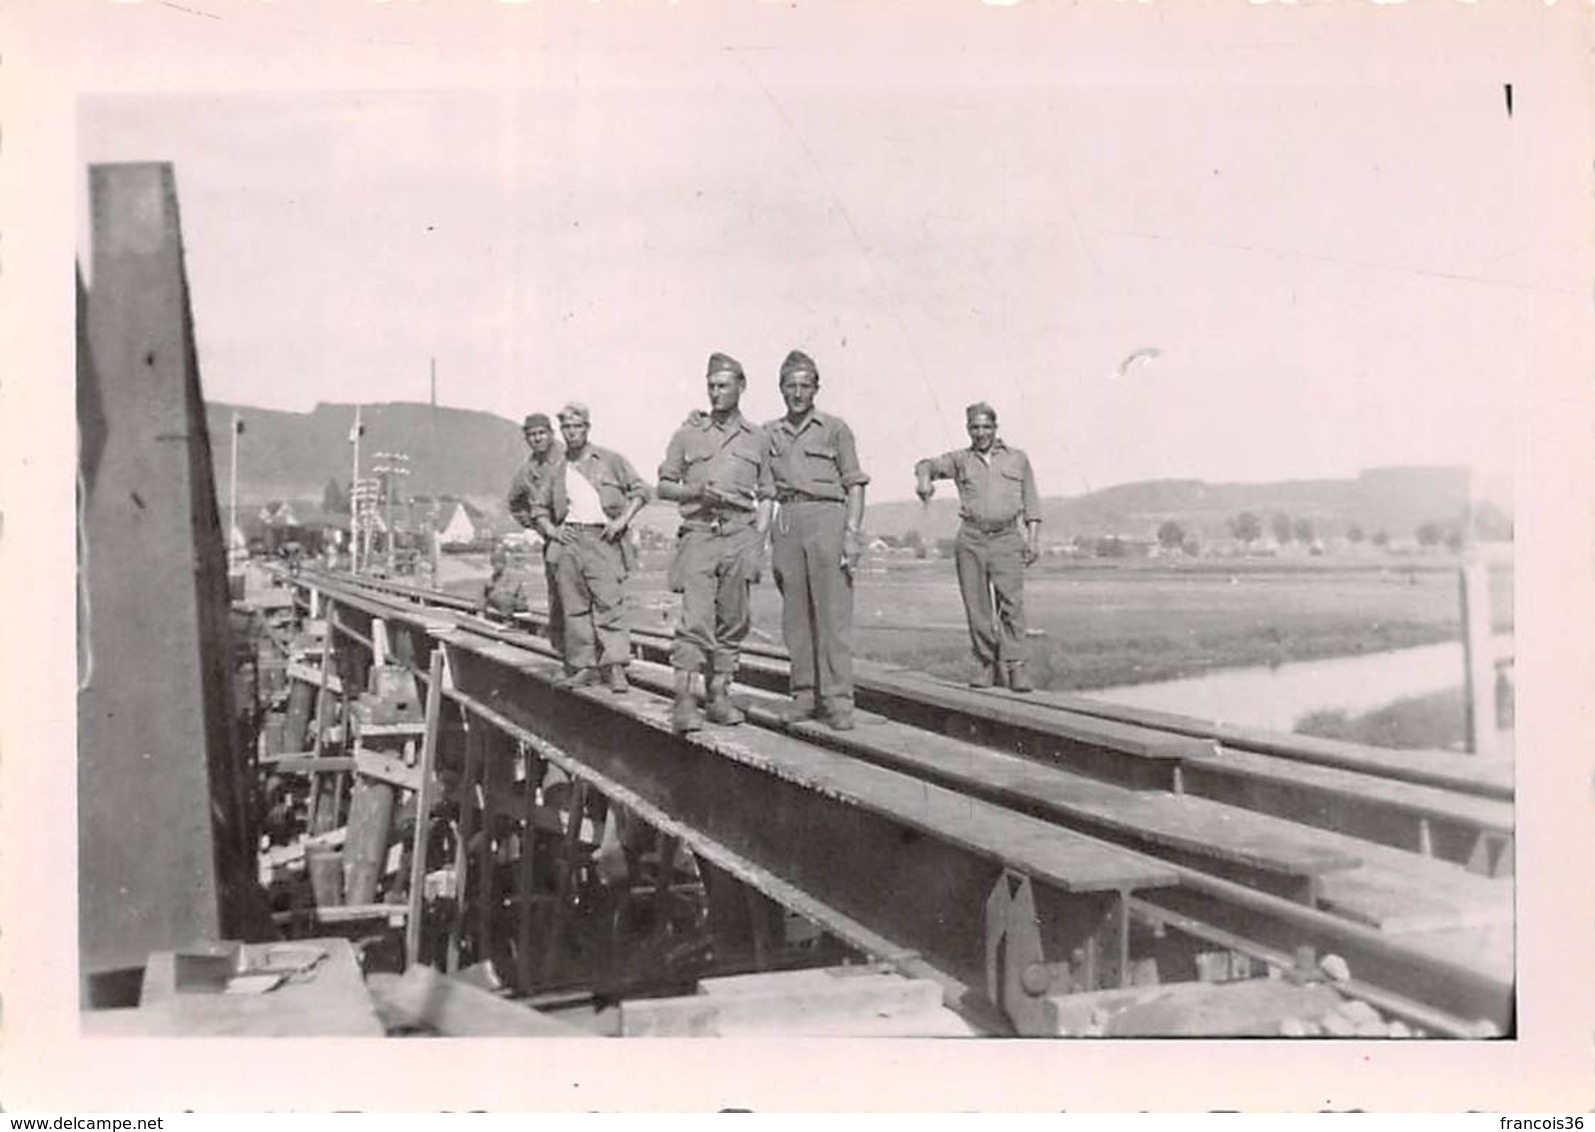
(1030, 556)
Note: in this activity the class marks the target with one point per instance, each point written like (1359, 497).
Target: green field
(1437, 721)
(1123, 623)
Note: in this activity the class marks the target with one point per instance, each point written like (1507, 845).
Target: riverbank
(1103, 627)
(1269, 645)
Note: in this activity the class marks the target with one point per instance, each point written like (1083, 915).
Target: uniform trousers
(816, 599)
(991, 572)
(589, 573)
(715, 568)
(556, 607)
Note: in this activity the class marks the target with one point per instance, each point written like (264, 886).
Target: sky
(1339, 257)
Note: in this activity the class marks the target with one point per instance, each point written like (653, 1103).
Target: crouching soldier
(718, 470)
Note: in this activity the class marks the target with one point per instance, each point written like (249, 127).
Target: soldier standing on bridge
(546, 457)
(585, 506)
(717, 468)
(996, 489)
(817, 544)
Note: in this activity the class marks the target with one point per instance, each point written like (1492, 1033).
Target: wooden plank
(496, 768)
(318, 785)
(1190, 825)
(565, 881)
(324, 685)
(469, 818)
(389, 730)
(1443, 769)
(1401, 901)
(328, 1001)
(298, 671)
(454, 1009)
(342, 913)
(1123, 738)
(1067, 861)
(526, 881)
(786, 1007)
(423, 803)
(307, 763)
(1426, 801)
(387, 768)
(806, 978)
(1478, 652)
(287, 854)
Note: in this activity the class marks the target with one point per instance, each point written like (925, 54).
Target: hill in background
(1394, 500)
(291, 456)
(472, 455)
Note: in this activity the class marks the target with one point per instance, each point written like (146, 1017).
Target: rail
(794, 812)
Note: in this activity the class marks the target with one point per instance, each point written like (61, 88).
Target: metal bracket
(1018, 976)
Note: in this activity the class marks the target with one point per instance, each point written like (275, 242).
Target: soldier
(545, 458)
(585, 506)
(717, 468)
(996, 489)
(817, 544)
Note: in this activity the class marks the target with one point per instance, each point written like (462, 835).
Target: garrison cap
(724, 363)
(577, 412)
(799, 362)
(980, 409)
(537, 420)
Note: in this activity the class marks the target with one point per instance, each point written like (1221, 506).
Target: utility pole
(390, 467)
(355, 433)
(232, 493)
(363, 502)
(1478, 635)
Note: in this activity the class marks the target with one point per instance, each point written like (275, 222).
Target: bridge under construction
(373, 810)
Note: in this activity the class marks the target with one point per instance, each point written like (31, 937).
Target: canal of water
(1277, 698)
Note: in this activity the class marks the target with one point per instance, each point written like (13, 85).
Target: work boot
(581, 678)
(801, 707)
(838, 715)
(986, 675)
(618, 683)
(720, 708)
(1017, 680)
(684, 715)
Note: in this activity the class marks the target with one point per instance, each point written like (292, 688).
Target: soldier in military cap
(717, 468)
(586, 506)
(544, 459)
(996, 494)
(818, 543)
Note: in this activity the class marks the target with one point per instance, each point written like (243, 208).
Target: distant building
(458, 529)
(278, 514)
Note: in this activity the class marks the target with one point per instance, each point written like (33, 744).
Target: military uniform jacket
(529, 479)
(816, 458)
(610, 473)
(989, 494)
(731, 456)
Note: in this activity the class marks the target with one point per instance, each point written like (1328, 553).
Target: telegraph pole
(390, 466)
(232, 494)
(1478, 635)
(363, 501)
(355, 432)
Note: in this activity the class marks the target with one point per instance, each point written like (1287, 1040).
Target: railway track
(1113, 833)
(1432, 802)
